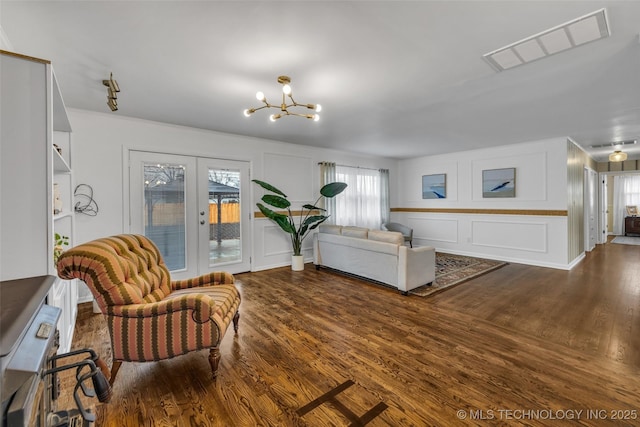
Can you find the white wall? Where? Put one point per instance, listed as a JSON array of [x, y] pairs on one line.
[[541, 184], [101, 141], [5, 43]]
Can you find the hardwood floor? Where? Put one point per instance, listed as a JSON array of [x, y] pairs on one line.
[[518, 346]]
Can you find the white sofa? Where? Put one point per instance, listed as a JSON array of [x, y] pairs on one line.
[[374, 254]]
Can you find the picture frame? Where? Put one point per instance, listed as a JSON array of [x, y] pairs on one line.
[[632, 210], [499, 183], [434, 186]]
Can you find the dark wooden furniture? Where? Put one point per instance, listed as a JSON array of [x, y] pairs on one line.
[[632, 225]]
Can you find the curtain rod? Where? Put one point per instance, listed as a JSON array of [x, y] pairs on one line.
[[355, 167]]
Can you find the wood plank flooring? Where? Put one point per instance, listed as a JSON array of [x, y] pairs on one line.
[[521, 345]]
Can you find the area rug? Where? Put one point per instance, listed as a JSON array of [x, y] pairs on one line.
[[451, 270], [626, 240]]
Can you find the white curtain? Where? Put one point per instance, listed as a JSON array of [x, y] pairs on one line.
[[626, 193], [327, 176], [360, 203], [385, 206]]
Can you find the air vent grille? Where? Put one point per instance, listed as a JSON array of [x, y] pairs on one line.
[[574, 33]]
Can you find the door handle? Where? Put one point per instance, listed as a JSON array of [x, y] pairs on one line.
[[202, 222], [202, 213]]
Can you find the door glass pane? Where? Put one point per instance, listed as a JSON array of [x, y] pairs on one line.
[[224, 216], [164, 211]]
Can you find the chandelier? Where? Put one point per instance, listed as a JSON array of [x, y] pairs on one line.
[[284, 107]]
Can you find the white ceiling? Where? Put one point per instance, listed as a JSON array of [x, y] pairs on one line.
[[395, 78]]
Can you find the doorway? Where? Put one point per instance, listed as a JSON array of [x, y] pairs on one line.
[[590, 209], [192, 209]]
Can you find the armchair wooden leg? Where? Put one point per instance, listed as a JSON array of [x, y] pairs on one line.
[[236, 317], [214, 360], [115, 367]]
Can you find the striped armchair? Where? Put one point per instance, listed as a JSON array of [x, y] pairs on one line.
[[149, 316]]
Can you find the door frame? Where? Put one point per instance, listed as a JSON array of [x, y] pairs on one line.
[[126, 185]]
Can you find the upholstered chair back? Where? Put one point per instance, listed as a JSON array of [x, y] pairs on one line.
[[119, 270]]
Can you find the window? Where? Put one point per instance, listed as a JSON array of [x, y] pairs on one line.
[[365, 201]]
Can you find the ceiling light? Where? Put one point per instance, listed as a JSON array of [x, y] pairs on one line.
[[284, 107], [617, 156], [112, 90], [576, 32]]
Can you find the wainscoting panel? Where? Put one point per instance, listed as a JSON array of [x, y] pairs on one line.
[[277, 243], [434, 229], [523, 236]]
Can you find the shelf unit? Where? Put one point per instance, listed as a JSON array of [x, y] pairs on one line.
[[33, 119]]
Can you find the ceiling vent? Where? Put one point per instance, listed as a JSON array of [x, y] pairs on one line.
[[571, 34]]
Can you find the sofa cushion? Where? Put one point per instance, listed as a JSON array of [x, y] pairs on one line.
[[386, 236], [359, 232], [330, 229]]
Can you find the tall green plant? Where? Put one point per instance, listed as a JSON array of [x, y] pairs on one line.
[[307, 220]]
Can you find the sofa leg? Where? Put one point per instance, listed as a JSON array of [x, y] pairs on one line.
[[317, 267], [405, 293], [236, 317], [430, 283], [214, 360]]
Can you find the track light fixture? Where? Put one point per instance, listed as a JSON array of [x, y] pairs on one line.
[[112, 90], [284, 107]]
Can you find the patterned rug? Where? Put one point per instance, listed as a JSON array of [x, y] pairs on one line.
[[452, 270]]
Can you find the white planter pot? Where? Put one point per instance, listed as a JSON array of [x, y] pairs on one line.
[[297, 262]]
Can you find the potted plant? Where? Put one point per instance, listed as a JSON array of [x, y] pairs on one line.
[[60, 242], [311, 216]]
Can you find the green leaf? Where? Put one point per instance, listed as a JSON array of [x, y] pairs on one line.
[[314, 226], [315, 218], [269, 187], [333, 189], [285, 224], [312, 208], [268, 212], [281, 220], [276, 201]]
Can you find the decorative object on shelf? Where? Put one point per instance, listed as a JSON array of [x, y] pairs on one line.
[[284, 107], [85, 204], [57, 201], [499, 183], [308, 220], [58, 248], [112, 90], [434, 186], [632, 210], [58, 149]]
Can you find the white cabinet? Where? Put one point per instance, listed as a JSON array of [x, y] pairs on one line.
[[32, 119]]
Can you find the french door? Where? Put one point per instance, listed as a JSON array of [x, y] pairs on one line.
[[193, 210]]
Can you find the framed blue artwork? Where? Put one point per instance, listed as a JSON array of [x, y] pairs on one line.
[[499, 183], [434, 186]]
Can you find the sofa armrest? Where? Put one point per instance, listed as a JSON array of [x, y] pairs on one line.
[[416, 267], [209, 279]]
